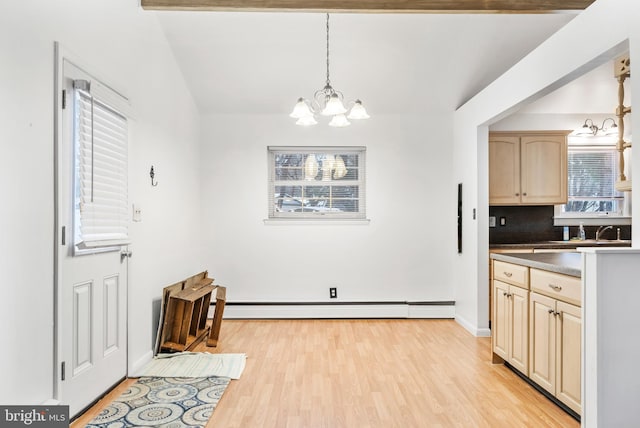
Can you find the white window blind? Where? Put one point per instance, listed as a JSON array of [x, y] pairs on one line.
[[592, 176], [317, 182], [101, 135]]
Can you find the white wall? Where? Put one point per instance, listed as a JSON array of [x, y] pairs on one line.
[[128, 48], [404, 254], [604, 30], [551, 121]]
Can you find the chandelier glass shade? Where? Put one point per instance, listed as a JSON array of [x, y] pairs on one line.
[[328, 102]]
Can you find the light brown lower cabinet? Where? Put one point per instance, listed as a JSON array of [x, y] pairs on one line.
[[555, 347], [536, 328], [511, 325]]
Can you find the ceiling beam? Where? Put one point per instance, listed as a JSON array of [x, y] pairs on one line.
[[387, 6]]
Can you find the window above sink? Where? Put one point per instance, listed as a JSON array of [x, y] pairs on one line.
[[592, 196]]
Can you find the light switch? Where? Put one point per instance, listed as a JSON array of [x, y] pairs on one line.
[[137, 213]]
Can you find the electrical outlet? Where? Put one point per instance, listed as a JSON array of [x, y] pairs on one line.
[[503, 221], [333, 293], [492, 221]]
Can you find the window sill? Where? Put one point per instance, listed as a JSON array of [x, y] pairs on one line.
[[592, 221], [315, 222]]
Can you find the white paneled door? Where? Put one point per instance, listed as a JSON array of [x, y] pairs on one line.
[[93, 337], [91, 285]]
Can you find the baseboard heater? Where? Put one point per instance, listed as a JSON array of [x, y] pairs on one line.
[[367, 309]]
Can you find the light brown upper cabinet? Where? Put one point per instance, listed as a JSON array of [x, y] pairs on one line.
[[528, 168]]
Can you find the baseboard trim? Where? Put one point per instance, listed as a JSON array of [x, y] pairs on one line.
[[483, 332], [303, 310], [478, 332], [139, 364]]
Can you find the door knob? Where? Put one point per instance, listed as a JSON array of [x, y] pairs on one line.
[[124, 254]]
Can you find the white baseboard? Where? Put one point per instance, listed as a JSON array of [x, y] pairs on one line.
[[139, 364], [478, 332], [483, 332], [355, 310]]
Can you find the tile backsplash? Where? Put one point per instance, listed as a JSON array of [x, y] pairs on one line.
[[523, 224]]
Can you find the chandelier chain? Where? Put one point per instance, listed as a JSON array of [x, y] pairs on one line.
[[328, 81]]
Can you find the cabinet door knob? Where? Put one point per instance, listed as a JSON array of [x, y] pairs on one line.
[[504, 293], [524, 194], [550, 311], [517, 194]]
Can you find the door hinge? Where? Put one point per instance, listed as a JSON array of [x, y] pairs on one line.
[[62, 371], [64, 99], [64, 235]]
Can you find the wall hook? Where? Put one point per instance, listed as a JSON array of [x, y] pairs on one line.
[[152, 174]]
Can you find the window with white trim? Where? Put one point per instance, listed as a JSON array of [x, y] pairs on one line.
[[100, 172], [592, 170], [317, 183]]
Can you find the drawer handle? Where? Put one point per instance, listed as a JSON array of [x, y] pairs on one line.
[[507, 274], [555, 287]]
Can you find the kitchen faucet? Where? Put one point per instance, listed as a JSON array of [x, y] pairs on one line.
[[600, 230]]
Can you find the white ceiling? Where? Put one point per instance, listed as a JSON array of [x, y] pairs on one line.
[[246, 63]]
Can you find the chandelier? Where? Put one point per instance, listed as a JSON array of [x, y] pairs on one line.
[[591, 129], [327, 102]]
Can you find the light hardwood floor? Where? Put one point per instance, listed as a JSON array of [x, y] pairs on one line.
[[368, 373]]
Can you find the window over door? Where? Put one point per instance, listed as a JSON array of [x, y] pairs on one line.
[[317, 182]]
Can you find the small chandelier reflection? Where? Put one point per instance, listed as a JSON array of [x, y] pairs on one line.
[[332, 167], [328, 102], [589, 129]]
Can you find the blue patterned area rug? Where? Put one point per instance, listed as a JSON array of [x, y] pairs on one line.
[[167, 402]]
